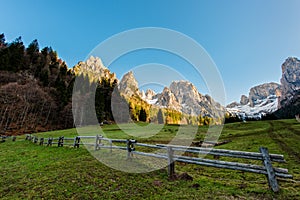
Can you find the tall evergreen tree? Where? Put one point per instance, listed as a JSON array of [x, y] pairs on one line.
[[2, 40], [33, 47], [160, 117], [143, 115], [16, 55]]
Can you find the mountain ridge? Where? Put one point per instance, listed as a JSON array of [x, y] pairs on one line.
[[275, 99], [181, 96]]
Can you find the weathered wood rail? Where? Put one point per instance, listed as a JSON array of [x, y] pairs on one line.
[[3, 138], [170, 155]]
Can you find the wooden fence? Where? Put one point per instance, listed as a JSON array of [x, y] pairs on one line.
[[3, 138], [170, 155]]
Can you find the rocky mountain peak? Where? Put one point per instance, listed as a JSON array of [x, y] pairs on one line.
[[168, 100], [290, 80], [244, 100], [183, 96], [184, 90], [149, 94], [283, 99], [233, 105], [128, 85], [261, 92], [94, 68], [262, 100], [95, 63]]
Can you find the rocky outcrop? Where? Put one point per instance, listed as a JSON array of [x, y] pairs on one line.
[[94, 69], [233, 104], [244, 100], [150, 94], [128, 85], [168, 100], [262, 100], [185, 91], [261, 92], [290, 81], [291, 109], [183, 96], [281, 100]]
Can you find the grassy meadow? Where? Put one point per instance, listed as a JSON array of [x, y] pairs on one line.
[[30, 171]]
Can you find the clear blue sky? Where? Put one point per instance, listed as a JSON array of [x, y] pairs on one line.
[[248, 40]]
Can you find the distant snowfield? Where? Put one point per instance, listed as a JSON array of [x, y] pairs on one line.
[[261, 108]]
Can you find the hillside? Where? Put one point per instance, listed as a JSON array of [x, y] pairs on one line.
[[28, 172], [35, 88]]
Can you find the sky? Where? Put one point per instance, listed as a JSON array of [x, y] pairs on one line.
[[247, 40]]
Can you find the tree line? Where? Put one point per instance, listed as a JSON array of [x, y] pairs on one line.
[[35, 88]]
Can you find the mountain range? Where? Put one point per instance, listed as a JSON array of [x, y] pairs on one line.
[[263, 100], [181, 96], [36, 94], [280, 100]]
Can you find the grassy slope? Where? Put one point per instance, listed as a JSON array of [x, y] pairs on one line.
[[31, 171]]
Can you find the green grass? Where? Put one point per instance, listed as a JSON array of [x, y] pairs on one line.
[[30, 171]]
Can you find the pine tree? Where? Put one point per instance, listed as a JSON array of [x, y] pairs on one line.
[[143, 115], [160, 117], [2, 40]]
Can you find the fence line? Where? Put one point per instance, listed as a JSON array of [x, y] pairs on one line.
[[170, 155], [3, 138]]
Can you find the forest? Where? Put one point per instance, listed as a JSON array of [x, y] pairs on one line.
[[36, 89]]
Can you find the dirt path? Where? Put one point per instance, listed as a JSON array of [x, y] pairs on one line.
[[279, 139], [243, 135], [287, 126]]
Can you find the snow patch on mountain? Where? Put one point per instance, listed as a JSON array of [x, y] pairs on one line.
[[262, 100], [261, 108], [151, 101]]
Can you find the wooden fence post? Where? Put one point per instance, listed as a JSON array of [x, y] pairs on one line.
[[76, 142], [35, 139], [97, 142], [49, 142], [130, 147], [60, 142], [41, 141], [171, 163], [270, 171]]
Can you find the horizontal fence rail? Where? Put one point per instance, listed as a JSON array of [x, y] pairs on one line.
[[3, 138], [169, 154], [225, 152]]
